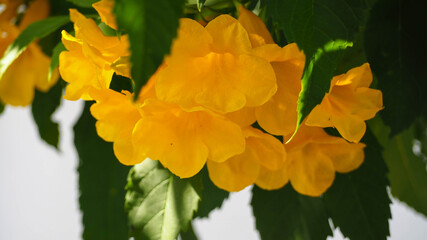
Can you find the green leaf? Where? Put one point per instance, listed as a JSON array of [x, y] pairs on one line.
[[1, 107], [407, 171], [322, 29], [212, 196], [395, 48], [54, 62], [189, 234], [200, 4], [358, 202], [102, 180], [43, 106], [285, 214], [159, 204], [34, 31], [83, 3], [151, 27]]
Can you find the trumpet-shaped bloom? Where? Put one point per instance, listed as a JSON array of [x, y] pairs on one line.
[[87, 63], [30, 69], [313, 158], [214, 67], [240, 171], [184, 140], [348, 104], [279, 115], [258, 32], [117, 115]]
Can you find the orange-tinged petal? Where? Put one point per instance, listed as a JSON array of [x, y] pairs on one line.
[[355, 77], [229, 82], [236, 173], [228, 35], [37, 10], [82, 75], [182, 140], [348, 104], [114, 111], [124, 149], [87, 31], [351, 127], [243, 117], [254, 25], [369, 101], [269, 150], [10, 10], [28, 71], [272, 180], [311, 172], [345, 157], [193, 41], [314, 156], [279, 115], [274, 53], [105, 11]]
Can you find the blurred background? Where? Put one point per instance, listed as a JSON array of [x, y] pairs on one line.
[[39, 189]]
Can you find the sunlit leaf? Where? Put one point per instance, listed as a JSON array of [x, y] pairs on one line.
[[34, 31], [159, 204], [322, 29]]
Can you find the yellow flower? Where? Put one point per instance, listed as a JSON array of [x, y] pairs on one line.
[[262, 151], [87, 63], [30, 69], [183, 140], [214, 67], [117, 115], [313, 158], [348, 104], [105, 9], [279, 115]]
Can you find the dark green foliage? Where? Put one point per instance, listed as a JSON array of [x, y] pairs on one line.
[[212, 196], [43, 107], [408, 174], [396, 49], [358, 202], [1, 107], [102, 180], [83, 3], [285, 214], [159, 204], [322, 29], [151, 27]]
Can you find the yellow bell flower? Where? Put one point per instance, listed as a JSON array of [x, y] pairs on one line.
[[348, 104], [215, 67], [30, 69], [184, 139], [262, 151], [312, 160], [87, 63], [278, 115]]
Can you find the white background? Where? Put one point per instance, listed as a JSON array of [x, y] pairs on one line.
[[39, 191]]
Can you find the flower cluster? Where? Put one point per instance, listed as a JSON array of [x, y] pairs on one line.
[[223, 97], [30, 69]]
